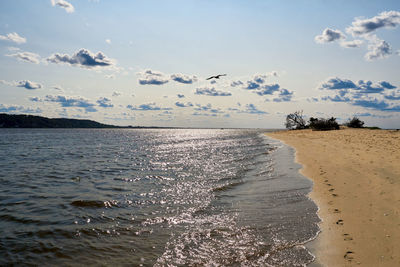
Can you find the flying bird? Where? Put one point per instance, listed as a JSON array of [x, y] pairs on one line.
[[216, 76]]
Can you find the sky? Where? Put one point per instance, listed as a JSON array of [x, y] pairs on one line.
[[146, 63]]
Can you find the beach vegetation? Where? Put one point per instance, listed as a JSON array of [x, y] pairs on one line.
[[355, 123], [296, 121], [321, 124]]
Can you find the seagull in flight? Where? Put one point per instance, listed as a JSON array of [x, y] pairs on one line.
[[216, 76]]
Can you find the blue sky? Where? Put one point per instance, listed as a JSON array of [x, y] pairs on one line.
[[146, 62]]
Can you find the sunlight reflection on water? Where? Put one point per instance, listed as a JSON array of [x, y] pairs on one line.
[[180, 197]]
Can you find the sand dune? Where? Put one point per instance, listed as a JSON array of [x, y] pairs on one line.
[[356, 174]]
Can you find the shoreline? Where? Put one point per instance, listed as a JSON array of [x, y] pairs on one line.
[[310, 243], [284, 156], [357, 190]]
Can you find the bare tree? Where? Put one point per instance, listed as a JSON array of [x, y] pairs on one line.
[[295, 121]]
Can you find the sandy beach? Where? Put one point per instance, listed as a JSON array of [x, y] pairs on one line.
[[356, 175]]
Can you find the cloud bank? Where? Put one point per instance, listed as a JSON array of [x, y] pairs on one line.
[[18, 109], [68, 101], [258, 85], [381, 96]]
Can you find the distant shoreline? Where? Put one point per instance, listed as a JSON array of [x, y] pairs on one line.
[[31, 121], [23, 121], [356, 179]]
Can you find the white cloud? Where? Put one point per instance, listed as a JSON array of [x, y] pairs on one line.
[[249, 109], [104, 102], [150, 77], [13, 37], [378, 49], [236, 83], [182, 78], [27, 57], [380, 95], [211, 92], [29, 85], [386, 19], [283, 96], [69, 8], [329, 35], [207, 110], [147, 107], [18, 109], [183, 105], [84, 59], [351, 44], [25, 84], [258, 85], [68, 101]]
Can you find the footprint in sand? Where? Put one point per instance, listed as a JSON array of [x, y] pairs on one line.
[[336, 211], [330, 190], [334, 195], [339, 222], [349, 255], [347, 237]]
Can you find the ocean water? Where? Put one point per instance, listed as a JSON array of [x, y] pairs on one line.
[[164, 197]]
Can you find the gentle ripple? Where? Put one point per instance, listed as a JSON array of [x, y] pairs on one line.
[[151, 197]]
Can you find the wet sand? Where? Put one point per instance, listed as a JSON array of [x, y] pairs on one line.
[[356, 175]]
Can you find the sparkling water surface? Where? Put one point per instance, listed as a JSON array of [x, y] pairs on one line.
[[164, 197]]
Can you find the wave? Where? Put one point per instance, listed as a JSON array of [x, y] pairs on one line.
[[94, 203], [227, 187]]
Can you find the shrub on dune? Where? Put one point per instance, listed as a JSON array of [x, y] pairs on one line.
[[355, 123], [323, 124]]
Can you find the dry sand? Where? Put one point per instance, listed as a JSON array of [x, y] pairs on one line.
[[356, 175]]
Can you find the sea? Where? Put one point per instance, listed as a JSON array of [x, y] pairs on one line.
[[152, 197]]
